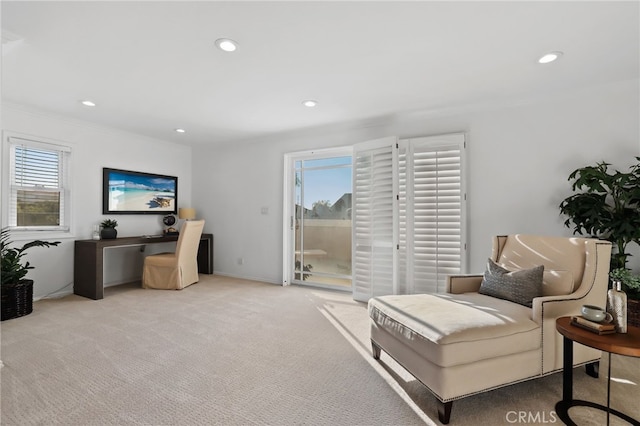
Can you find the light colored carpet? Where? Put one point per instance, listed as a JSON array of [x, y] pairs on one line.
[[235, 352]]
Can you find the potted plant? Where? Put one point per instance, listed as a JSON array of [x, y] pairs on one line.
[[608, 207], [17, 291], [306, 268], [108, 231]]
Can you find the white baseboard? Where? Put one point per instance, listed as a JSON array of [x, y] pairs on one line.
[[53, 295], [244, 277], [123, 281]]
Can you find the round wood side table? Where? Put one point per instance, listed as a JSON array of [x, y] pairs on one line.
[[622, 344]]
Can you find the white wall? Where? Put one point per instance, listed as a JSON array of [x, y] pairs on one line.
[[519, 159], [96, 147]]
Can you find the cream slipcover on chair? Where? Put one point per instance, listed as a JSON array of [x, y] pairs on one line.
[[461, 342], [175, 270]]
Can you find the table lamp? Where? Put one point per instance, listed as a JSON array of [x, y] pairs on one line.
[[187, 213]]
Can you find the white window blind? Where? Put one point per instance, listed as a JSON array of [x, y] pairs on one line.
[[39, 193], [409, 215], [374, 216]]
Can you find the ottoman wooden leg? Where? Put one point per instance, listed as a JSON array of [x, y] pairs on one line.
[[444, 411], [375, 349], [593, 369]]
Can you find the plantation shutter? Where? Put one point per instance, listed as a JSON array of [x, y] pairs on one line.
[[432, 212], [38, 192], [374, 215], [409, 215]]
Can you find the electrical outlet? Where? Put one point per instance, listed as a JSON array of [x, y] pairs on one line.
[[264, 210], [241, 261]]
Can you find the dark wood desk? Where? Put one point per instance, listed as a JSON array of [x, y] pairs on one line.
[[89, 258], [622, 344]]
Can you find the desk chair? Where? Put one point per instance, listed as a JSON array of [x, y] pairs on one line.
[[175, 270]]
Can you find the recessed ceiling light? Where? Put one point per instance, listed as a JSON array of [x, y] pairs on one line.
[[88, 103], [310, 103], [180, 130], [549, 57], [226, 44]]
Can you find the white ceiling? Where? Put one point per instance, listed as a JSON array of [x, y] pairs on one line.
[[152, 66]]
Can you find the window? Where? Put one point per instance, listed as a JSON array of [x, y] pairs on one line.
[[38, 185]]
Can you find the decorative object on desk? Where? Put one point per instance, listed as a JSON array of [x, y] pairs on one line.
[[171, 231], [607, 208], [169, 221], [187, 213], [96, 232], [631, 286], [595, 327], [109, 231], [16, 291], [617, 306]]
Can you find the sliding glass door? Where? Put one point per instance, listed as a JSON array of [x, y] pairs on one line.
[[320, 219]]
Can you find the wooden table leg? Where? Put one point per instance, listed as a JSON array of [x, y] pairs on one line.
[[567, 370]]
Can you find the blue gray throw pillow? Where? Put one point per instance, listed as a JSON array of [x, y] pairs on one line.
[[516, 286]]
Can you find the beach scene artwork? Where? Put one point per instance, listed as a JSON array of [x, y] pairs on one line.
[[137, 192]]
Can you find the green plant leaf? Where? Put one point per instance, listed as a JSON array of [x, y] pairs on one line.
[[13, 269], [605, 205]]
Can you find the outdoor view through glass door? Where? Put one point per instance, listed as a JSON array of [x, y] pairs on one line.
[[322, 221]]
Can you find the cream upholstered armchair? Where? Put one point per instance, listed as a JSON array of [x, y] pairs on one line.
[[175, 270], [463, 342]]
